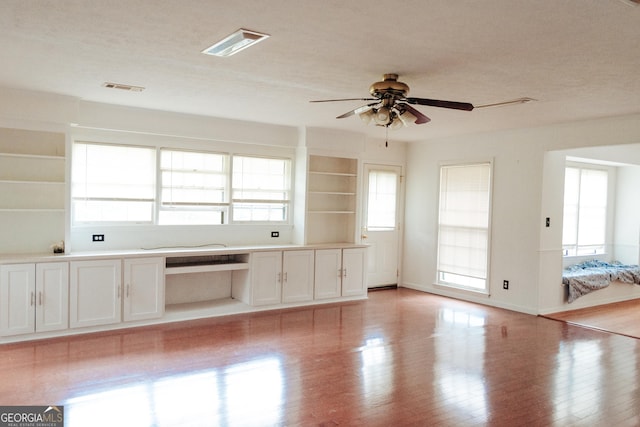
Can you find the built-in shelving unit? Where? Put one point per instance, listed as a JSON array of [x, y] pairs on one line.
[[32, 184], [332, 193], [200, 284], [206, 263]]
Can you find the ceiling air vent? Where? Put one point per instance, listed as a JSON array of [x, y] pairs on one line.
[[235, 42], [129, 88]]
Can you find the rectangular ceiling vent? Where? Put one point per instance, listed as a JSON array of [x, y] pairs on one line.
[[235, 42], [120, 86]]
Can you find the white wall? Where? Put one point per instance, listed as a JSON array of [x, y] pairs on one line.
[[119, 124], [527, 175]]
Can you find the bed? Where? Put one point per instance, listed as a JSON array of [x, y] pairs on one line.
[[593, 275]]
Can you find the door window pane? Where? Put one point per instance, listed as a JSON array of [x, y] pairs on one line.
[[381, 200]]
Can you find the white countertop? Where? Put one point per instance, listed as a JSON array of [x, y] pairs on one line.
[[165, 252]]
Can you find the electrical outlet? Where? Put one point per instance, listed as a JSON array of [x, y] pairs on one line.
[[275, 234], [505, 284], [97, 238], [547, 222]]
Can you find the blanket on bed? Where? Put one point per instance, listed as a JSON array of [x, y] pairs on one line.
[[592, 275]]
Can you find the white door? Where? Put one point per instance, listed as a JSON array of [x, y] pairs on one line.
[[328, 273], [266, 282], [52, 295], [297, 280], [95, 289], [353, 272], [17, 299], [143, 288], [381, 223]]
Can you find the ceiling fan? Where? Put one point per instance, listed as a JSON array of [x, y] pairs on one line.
[[392, 108]]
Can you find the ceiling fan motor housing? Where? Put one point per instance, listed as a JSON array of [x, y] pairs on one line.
[[389, 87]]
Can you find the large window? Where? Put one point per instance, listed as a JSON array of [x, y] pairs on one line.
[[113, 184], [261, 188], [585, 210], [195, 187], [463, 225], [117, 184]]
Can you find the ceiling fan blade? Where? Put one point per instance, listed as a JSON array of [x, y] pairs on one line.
[[358, 110], [346, 99], [439, 103], [420, 118]]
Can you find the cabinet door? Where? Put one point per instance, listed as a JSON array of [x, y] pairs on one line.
[[266, 278], [95, 292], [328, 272], [143, 288], [297, 276], [17, 299], [353, 272], [52, 296]]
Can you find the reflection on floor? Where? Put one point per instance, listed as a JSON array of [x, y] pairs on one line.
[[400, 358]]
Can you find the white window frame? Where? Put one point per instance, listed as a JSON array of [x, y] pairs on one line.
[[456, 278], [285, 201], [77, 199], [577, 250], [195, 207]]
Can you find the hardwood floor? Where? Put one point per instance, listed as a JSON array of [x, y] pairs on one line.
[[619, 318], [401, 358]]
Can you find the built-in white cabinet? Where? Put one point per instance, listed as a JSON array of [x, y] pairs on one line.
[[46, 296], [328, 273], [297, 276], [281, 277], [95, 292], [143, 288], [340, 273], [17, 299], [266, 276], [354, 272], [52, 296], [33, 298]]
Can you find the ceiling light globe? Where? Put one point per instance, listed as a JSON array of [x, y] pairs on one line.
[[382, 116]]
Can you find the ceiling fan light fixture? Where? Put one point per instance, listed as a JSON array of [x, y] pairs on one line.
[[382, 116], [396, 124], [407, 118], [366, 116], [235, 42]]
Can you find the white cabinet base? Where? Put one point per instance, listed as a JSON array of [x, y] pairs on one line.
[[95, 291]]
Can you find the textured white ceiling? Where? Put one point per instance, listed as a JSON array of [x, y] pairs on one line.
[[578, 58]]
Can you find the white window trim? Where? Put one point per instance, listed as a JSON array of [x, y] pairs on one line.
[[487, 289], [611, 183]]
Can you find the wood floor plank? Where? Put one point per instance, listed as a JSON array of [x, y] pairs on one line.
[[400, 358], [620, 318]]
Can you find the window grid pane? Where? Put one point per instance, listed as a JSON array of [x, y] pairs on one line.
[[585, 211], [102, 193], [381, 200], [261, 189], [194, 187]]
